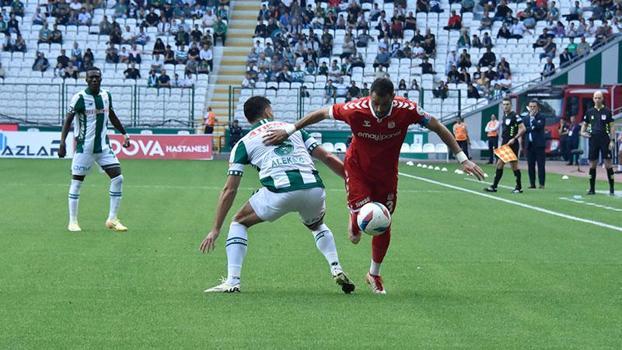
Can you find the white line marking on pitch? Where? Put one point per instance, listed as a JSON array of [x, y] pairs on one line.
[[198, 187], [589, 203], [523, 205], [502, 186]]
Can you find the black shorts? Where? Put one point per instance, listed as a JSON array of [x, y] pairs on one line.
[[209, 129], [599, 145], [513, 146]]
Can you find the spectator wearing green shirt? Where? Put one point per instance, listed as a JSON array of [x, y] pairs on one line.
[[220, 30], [17, 7], [572, 48], [44, 35], [3, 25]]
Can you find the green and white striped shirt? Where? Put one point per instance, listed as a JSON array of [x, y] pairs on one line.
[[282, 168], [91, 113]]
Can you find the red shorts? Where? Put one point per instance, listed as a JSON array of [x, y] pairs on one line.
[[361, 190]]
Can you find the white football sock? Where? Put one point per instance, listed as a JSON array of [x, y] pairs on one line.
[[619, 167], [116, 189], [74, 198], [374, 268], [236, 251], [325, 243]]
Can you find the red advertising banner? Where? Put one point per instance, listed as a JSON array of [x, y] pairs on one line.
[[8, 127], [163, 147]]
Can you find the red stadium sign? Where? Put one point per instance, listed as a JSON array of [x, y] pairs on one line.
[[163, 147]]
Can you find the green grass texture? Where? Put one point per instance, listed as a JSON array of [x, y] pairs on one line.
[[464, 270]]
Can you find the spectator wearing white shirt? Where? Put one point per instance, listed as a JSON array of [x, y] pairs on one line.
[[128, 35], [75, 6], [452, 60], [418, 51], [156, 63], [208, 19], [206, 54], [124, 56], [84, 18], [163, 27], [518, 29], [39, 17], [135, 54], [187, 81]]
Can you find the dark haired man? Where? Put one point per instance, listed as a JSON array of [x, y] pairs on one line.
[[290, 184], [513, 130], [379, 125], [535, 144]]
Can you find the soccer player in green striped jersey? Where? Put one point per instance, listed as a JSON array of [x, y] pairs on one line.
[[91, 108], [290, 184]]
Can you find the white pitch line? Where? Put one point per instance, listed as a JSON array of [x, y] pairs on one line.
[[519, 204], [215, 188], [590, 204], [502, 186]]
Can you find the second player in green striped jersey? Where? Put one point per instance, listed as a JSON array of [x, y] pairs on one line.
[[290, 184]]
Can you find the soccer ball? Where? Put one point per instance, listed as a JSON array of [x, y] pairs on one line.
[[373, 218]]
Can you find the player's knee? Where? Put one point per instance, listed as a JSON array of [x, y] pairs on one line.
[[318, 227]]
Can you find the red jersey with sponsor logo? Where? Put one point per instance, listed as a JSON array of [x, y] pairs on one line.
[[376, 143]]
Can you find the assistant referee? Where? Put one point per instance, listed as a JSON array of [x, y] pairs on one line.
[[598, 127]]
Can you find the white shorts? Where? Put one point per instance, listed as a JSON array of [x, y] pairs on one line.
[[309, 203], [82, 162]]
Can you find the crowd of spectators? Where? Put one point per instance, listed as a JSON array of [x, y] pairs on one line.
[[193, 46], [289, 49]]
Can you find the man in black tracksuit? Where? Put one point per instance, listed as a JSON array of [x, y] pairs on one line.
[[513, 129], [598, 127]]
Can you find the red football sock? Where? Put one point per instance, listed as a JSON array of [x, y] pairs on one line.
[[380, 245]]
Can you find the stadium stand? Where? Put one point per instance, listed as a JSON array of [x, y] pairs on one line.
[[448, 55], [61, 40]]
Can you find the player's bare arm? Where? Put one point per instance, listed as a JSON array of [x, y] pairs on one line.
[[445, 135], [335, 164], [119, 126], [62, 148], [225, 201], [275, 137]]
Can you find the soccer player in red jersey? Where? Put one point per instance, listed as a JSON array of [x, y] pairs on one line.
[[379, 125]]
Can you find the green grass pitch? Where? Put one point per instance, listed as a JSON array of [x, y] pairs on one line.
[[463, 271]]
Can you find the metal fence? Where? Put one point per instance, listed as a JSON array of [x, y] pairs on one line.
[[136, 105]]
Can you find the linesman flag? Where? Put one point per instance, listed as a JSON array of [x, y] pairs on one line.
[[506, 154]]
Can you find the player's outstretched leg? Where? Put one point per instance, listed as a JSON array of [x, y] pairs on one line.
[[325, 243], [236, 247], [74, 198], [116, 192], [379, 247]]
